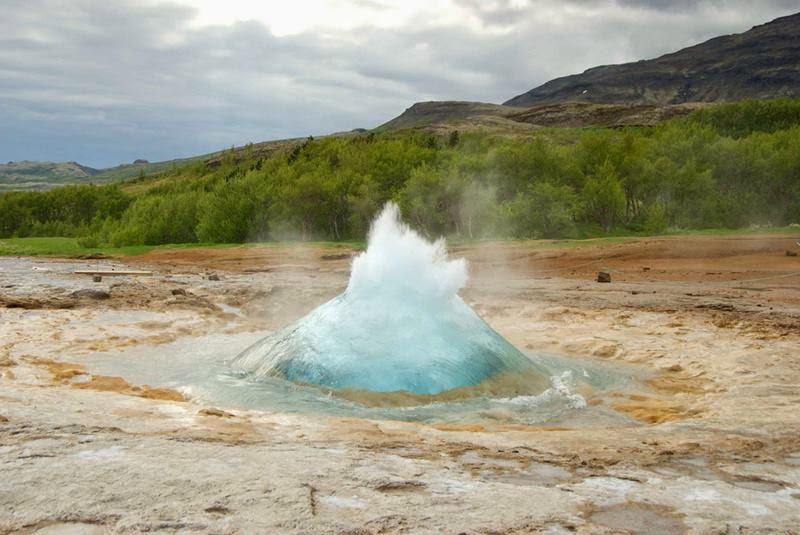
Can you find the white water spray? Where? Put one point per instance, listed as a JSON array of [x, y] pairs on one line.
[[399, 326]]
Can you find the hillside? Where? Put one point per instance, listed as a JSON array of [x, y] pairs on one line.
[[763, 62], [448, 115], [27, 175], [444, 116], [728, 165], [32, 176]]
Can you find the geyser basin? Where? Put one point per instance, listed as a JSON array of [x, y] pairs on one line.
[[200, 368], [399, 326], [398, 344]]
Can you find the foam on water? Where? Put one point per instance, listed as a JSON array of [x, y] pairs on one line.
[[399, 326]]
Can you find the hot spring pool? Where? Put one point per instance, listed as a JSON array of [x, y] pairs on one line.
[[200, 368], [398, 343]]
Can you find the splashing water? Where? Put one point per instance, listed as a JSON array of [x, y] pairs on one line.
[[399, 326]]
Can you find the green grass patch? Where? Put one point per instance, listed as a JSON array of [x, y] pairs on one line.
[[69, 247], [61, 247]]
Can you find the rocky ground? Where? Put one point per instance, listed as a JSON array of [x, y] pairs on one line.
[[717, 448]]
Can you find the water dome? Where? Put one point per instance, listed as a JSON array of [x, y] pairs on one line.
[[399, 326]]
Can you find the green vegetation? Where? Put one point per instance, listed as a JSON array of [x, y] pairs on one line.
[[728, 166], [127, 171], [72, 247], [58, 246]]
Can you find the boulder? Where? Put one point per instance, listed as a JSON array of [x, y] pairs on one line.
[[603, 276], [90, 294]]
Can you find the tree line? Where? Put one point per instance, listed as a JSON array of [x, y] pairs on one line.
[[726, 166]]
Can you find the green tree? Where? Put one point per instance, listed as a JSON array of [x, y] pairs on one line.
[[603, 197], [544, 211]]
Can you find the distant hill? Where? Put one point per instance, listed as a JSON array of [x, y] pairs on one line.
[[28, 176], [763, 62], [42, 175]]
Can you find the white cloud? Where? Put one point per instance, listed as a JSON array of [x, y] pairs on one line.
[[298, 16]]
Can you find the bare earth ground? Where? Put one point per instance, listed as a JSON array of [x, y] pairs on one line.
[[717, 451]]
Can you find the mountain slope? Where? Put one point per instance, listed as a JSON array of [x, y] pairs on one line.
[[42, 175], [444, 116], [763, 62]]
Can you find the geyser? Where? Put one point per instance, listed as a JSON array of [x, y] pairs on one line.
[[399, 326]]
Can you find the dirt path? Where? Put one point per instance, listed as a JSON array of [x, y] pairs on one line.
[[717, 448]]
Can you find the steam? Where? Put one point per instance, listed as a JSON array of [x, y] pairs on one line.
[[398, 260]]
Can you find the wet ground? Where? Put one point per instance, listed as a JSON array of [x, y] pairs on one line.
[[709, 444]]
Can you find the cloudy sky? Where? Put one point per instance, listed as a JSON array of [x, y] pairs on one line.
[[105, 82]]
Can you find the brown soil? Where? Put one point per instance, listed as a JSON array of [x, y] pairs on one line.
[[753, 261], [64, 373]]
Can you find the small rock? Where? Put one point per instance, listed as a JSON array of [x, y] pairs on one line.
[[178, 291], [399, 486], [97, 278], [212, 411], [603, 276], [674, 368], [791, 253], [213, 277], [645, 268], [90, 294]]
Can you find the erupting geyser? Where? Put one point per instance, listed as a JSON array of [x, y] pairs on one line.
[[399, 326]]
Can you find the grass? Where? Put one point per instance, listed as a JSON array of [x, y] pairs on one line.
[[69, 247], [60, 247], [736, 232]]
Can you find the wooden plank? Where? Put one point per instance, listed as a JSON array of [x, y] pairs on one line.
[[109, 273]]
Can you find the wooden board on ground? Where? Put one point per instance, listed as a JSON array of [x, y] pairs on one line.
[[107, 272]]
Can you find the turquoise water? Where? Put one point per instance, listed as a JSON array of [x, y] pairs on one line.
[[200, 368], [412, 344], [399, 326]]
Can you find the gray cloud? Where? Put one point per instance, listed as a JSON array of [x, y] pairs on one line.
[[107, 82], [503, 13]]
